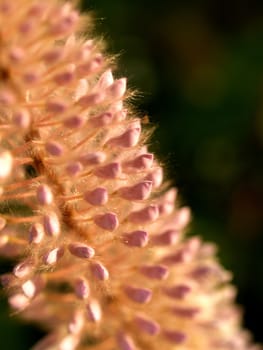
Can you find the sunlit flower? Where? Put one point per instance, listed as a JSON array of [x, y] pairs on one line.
[[103, 260]]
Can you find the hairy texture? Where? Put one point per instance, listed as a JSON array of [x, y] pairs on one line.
[[103, 262]]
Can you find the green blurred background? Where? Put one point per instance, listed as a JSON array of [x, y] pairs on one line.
[[198, 66]]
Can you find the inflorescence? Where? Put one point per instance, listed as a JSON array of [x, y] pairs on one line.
[[102, 258]]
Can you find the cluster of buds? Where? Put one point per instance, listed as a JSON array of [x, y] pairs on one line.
[[102, 261]]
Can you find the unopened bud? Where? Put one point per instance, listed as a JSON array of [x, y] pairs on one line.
[[81, 250]]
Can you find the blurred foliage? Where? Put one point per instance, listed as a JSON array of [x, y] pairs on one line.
[[198, 66]]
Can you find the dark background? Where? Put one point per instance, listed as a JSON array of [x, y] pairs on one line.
[[198, 67]]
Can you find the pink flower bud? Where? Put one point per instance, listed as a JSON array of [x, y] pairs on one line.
[[99, 271], [2, 223], [156, 177], [93, 311], [105, 80], [26, 27], [99, 196], [36, 233], [136, 239], [146, 325], [52, 56], [175, 337], [125, 342], [182, 218], [168, 237], [44, 195], [93, 158], [109, 171], [6, 164], [29, 289], [7, 97], [23, 269], [146, 215], [74, 122], [91, 66], [3, 240], [81, 250], [101, 120], [138, 295], [65, 24], [56, 106], [66, 77], [139, 191], [30, 77], [7, 280], [68, 343], [74, 168], [159, 272], [142, 162], [92, 99], [128, 139], [52, 256], [37, 10], [178, 291], [108, 221], [76, 323], [185, 312], [21, 118], [16, 54], [81, 288], [51, 224], [117, 89], [18, 301], [54, 148]]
